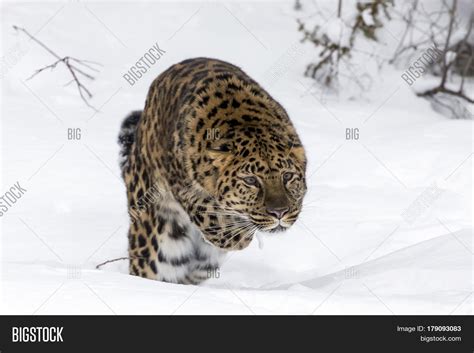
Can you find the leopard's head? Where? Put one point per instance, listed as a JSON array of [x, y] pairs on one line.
[[258, 172]]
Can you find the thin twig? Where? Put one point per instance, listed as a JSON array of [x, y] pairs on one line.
[[69, 62], [443, 89], [117, 259]]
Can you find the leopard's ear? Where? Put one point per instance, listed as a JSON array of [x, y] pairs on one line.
[[298, 151]]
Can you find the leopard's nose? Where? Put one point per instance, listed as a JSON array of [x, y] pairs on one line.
[[277, 212]]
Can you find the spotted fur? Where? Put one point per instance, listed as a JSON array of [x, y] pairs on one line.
[[211, 160]]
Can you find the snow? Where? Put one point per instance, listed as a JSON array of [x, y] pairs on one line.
[[337, 32], [449, 57], [367, 17], [370, 240]]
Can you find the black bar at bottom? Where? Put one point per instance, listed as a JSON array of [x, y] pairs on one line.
[[217, 333]]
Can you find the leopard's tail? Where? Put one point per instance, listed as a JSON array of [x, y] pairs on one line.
[[127, 136]]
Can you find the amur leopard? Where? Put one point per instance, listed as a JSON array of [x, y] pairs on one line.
[[211, 160]]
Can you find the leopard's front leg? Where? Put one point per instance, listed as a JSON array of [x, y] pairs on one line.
[[162, 246], [142, 235], [142, 252]]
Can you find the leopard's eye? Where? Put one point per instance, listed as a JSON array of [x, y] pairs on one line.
[[251, 180], [287, 176]]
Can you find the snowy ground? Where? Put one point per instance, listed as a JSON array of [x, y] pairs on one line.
[[387, 226]]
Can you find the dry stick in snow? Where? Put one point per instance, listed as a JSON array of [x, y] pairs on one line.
[[117, 259], [72, 66]]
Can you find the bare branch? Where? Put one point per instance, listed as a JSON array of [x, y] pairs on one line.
[[440, 25], [71, 65], [452, 15], [443, 89], [115, 260]]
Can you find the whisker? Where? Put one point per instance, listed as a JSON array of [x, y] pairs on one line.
[[226, 227], [228, 214], [247, 230]]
